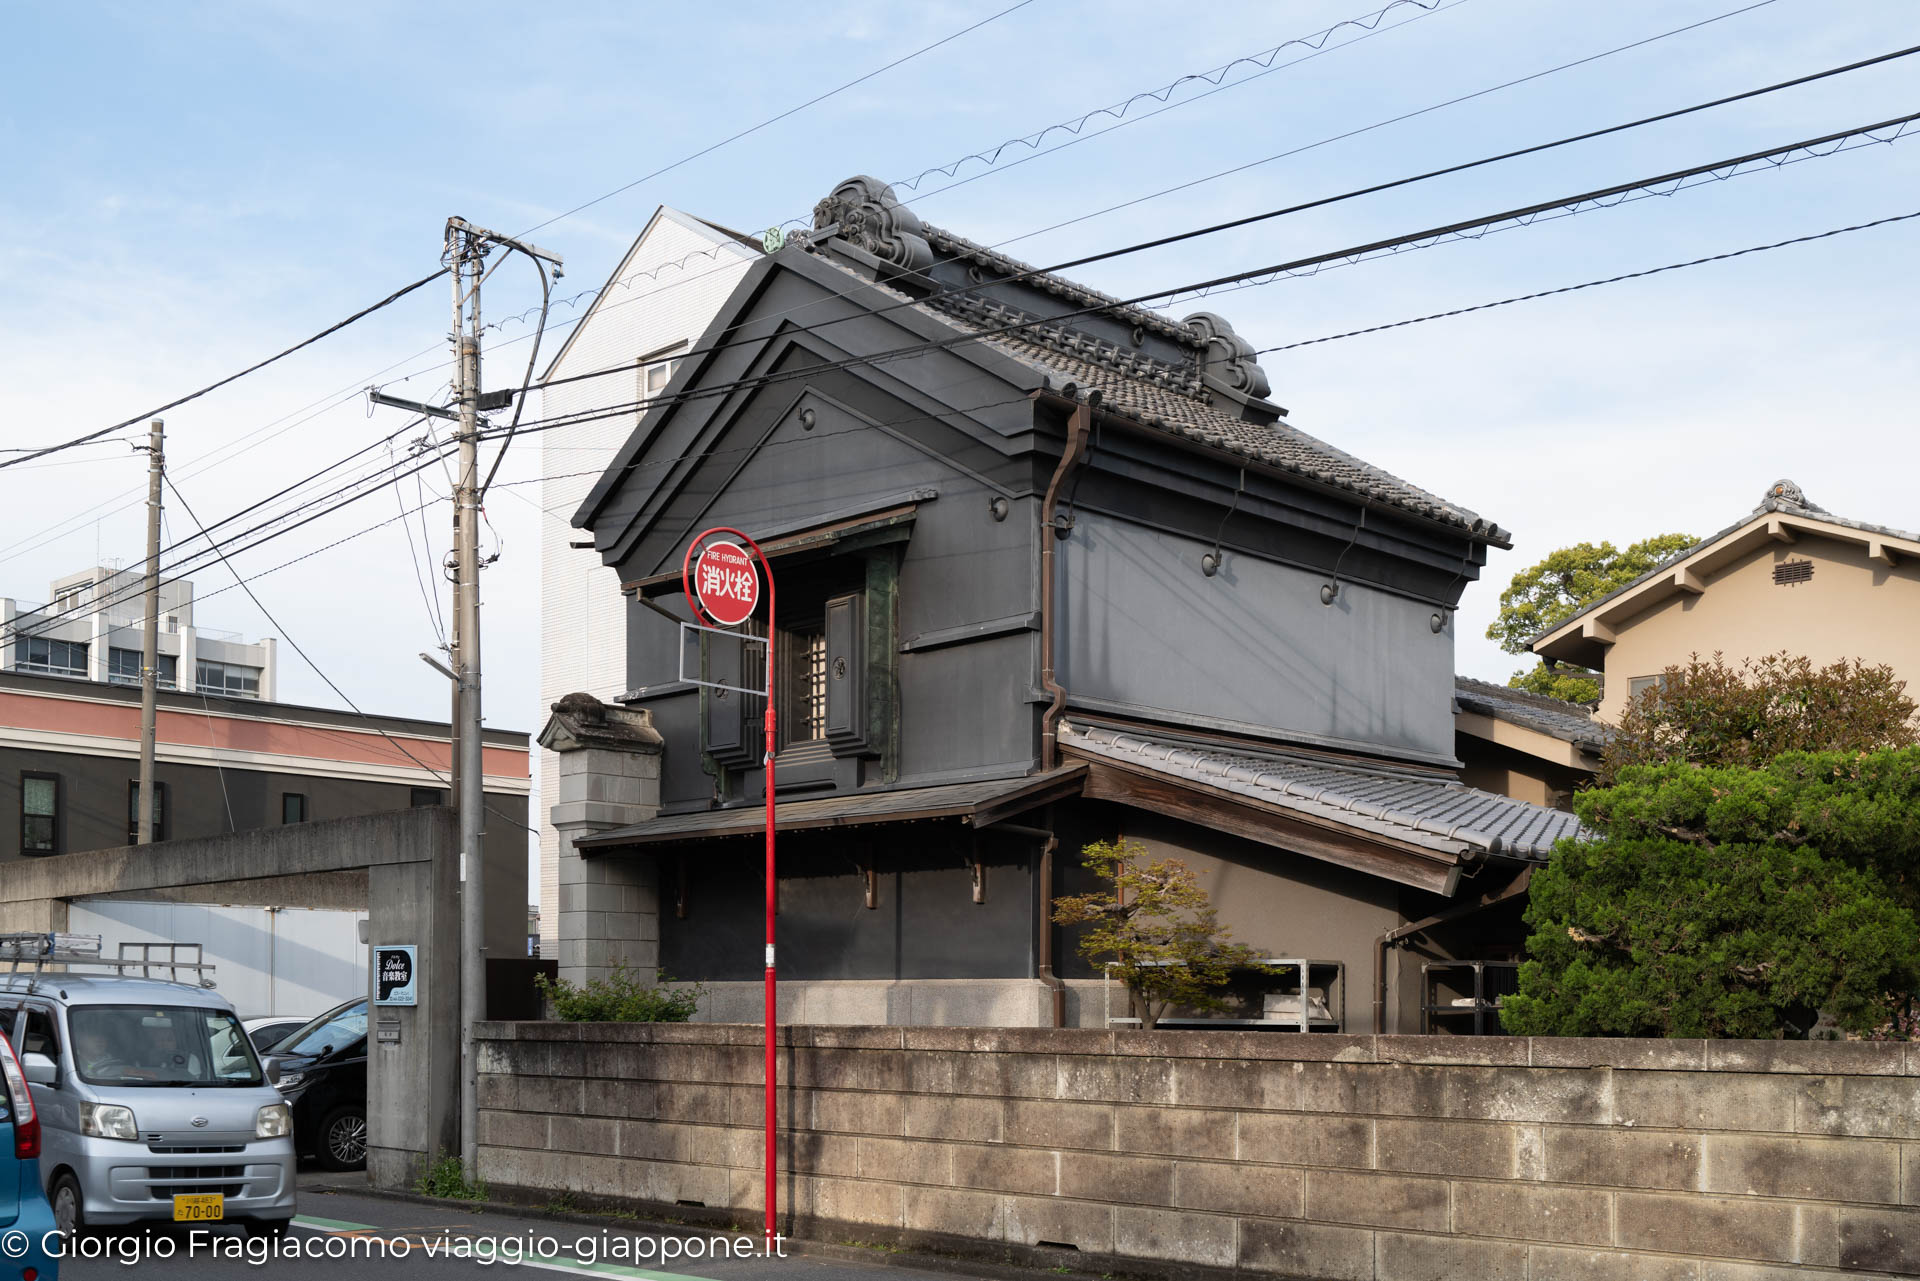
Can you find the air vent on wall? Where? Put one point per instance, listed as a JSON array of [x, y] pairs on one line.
[[1788, 572]]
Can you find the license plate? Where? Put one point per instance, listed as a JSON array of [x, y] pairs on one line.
[[199, 1208]]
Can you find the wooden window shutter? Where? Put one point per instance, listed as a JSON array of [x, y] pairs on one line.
[[846, 628], [732, 718]]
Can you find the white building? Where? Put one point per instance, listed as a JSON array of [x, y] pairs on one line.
[[93, 627], [652, 310]]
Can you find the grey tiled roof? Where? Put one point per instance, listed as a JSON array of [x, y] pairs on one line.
[[953, 246], [1157, 400], [1430, 810], [1568, 722]]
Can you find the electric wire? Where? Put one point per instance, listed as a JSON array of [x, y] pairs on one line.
[[1591, 284], [1421, 239], [771, 120], [335, 328], [1151, 196], [28, 624], [520, 401], [1304, 206], [246, 586], [1349, 254], [201, 463], [1451, 102], [206, 708], [1317, 41]]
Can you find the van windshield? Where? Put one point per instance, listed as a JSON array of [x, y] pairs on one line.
[[159, 1045]]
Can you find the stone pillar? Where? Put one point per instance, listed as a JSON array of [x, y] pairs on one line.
[[609, 777]]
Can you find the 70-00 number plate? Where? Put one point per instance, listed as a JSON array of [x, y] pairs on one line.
[[199, 1208]]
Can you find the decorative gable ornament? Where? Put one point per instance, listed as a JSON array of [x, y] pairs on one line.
[[865, 213], [1785, 491], [1226, 357]]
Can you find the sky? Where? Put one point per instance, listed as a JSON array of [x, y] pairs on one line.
[[192, 187]]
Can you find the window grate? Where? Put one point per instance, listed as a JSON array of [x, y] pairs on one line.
[[1789, 572], [811, 671]]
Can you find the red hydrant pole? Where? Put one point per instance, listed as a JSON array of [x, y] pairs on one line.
[[770, 1068], [772, 1103]]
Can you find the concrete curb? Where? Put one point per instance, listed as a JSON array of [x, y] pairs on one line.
[[1103, 1266]]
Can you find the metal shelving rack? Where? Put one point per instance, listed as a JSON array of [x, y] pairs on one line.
[[1491, 981], [1305, 976]]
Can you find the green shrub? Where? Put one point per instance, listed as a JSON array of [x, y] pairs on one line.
[[1728, 902], [446, 1178], [620, 997]]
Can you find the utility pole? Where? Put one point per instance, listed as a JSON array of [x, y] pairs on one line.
[[150, 640], [466, 252], [467, 256]]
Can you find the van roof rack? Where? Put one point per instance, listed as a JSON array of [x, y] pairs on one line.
[[80, 953]]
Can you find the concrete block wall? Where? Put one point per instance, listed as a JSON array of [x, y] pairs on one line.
[[1333, 1157]]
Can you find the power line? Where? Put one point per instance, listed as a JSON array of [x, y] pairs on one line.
[[990, 156], [1591, 284], [713, 251], [1304, 206], [1776, 157], [1155, 195], [859, 80], [193, 561], [1451, 102], [323, 405], [282, 632], [391, 298]]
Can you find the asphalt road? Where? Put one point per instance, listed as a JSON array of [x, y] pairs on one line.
[[342, 1233]]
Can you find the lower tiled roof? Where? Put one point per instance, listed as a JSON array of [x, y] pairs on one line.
[[1568, 722], [1430, 810]]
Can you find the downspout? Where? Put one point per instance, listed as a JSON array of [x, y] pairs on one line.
[[1043, 950], [1380, 945], [1071, 456], [1075, 452]]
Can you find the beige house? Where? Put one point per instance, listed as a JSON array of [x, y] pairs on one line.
[[1789, 576]]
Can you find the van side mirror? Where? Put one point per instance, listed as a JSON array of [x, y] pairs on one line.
[[40, 1069], [273, 1065]]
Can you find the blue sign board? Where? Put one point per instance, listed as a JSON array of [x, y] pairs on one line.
[[395, 970]]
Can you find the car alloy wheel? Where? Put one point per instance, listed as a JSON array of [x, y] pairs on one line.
[[347, 1139]]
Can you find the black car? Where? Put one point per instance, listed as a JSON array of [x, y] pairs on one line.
[[323, 1076]]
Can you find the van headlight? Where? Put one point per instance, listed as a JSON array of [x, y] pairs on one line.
[[108, 1121], [291, 1081], [273, 1121]]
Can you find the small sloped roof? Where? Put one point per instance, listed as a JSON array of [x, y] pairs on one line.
[[1568, 722], [1434, 811]]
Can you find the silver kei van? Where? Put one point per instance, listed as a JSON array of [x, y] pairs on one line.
[[152, 1102]]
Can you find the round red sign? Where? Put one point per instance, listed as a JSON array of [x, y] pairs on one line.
[[726, 584]]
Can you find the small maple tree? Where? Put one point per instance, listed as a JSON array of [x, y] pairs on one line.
[[1157, 929]]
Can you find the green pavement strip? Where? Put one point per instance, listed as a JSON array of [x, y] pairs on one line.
[[553, 1260]]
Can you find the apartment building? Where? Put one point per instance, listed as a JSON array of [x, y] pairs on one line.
[[93, 626]]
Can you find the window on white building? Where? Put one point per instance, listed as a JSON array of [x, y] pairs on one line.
[[227, 678], [60, 658], [123, 667]]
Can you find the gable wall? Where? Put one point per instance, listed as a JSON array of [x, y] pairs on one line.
[[582, 614], [1852, 608]]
